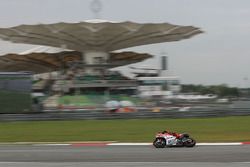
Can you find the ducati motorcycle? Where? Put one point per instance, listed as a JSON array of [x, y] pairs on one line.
[[173, 140]]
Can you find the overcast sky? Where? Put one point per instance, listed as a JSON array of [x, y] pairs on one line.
[[221, 55]]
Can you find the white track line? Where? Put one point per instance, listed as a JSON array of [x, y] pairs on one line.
[[129, 144], [218, 144], [198, 144], [55, 144], [133, 144]]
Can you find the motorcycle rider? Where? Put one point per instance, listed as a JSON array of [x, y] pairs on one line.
[[177, 135]]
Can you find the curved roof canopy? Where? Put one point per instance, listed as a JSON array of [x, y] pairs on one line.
[[97, 35], [41, 62]]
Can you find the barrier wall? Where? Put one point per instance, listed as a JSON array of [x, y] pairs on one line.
[[141, 113], [15, 92]]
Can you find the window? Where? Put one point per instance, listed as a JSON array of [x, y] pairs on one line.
[[99, 60]]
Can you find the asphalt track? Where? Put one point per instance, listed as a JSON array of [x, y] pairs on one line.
[[27, 155]]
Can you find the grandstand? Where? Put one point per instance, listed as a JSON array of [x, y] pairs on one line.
[[85, 53], [70, 84]]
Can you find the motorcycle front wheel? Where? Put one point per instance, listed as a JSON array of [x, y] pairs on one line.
[[159, 143], [189, 143]]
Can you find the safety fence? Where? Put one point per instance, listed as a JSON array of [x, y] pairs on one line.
[[139, 114]]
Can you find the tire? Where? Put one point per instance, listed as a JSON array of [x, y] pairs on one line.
[[159, 143], [190, 142]]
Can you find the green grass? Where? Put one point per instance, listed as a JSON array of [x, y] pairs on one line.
[[226, 129]]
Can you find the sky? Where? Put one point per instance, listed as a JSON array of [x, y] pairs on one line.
[[221, 55]]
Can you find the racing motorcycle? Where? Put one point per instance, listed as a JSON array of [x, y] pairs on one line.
[[169, 139]]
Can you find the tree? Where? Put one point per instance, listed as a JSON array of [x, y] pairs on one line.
[[220, 90]]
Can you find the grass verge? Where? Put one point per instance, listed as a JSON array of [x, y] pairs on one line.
[[225, 129]]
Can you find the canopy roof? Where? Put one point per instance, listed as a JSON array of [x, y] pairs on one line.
[[97, 35], [41, 62]]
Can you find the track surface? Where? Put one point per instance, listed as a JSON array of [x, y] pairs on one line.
[[124, 156]]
